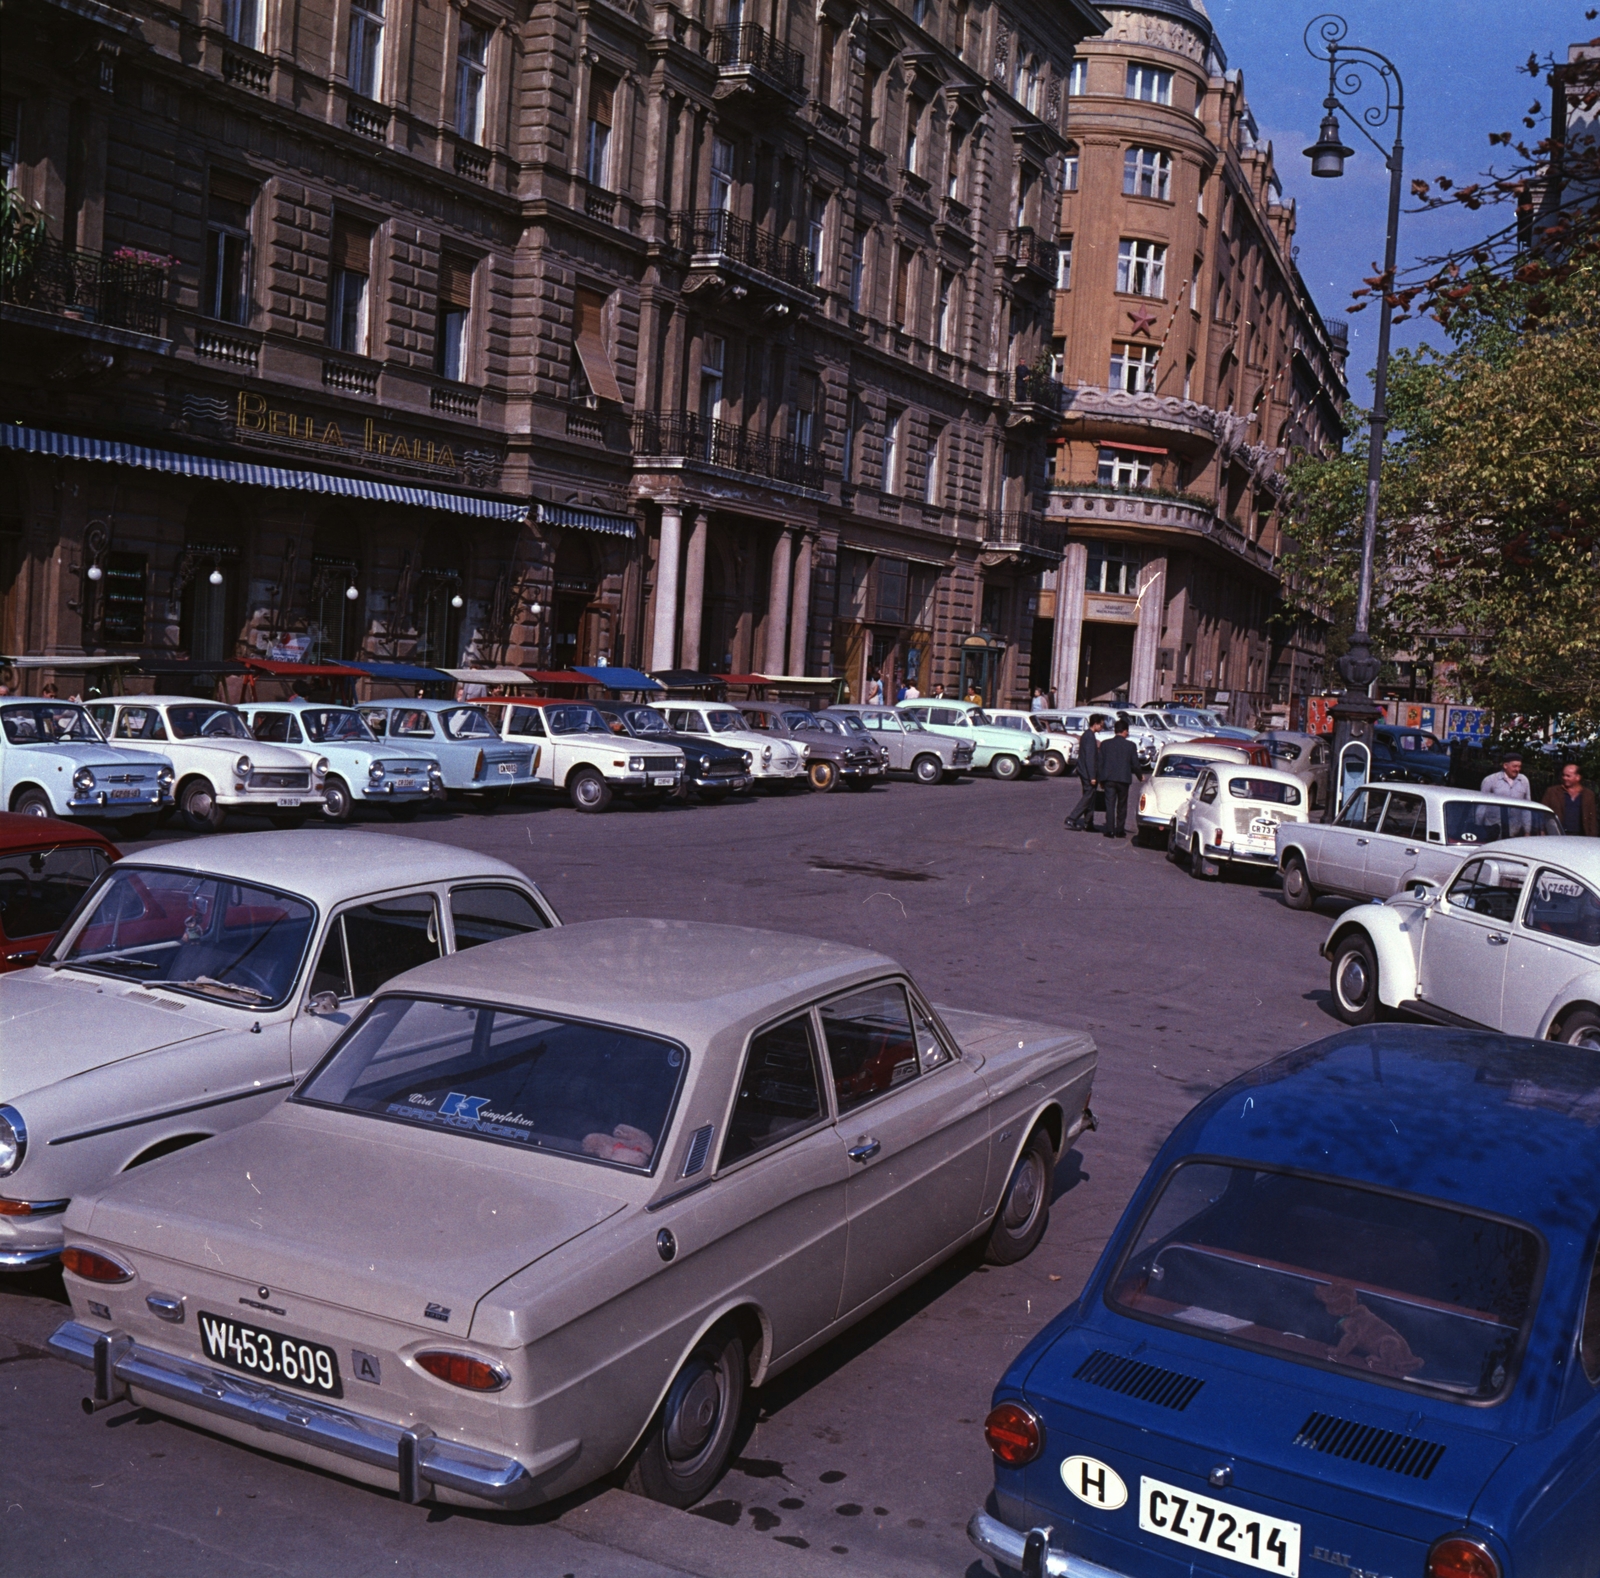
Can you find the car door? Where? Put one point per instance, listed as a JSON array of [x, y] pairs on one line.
[[1466, 938], [525, 725], [890, 733], [1555, 942], [1194, 819], [483, 912], [913, 1119], [1395, 845], [1342, 856]]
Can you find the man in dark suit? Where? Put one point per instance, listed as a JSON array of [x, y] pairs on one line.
[[1082, 816], [1117, 768]]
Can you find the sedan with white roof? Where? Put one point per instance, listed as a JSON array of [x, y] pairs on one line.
[[53, 762], [1233, 818], [198, 981], [473, 759]]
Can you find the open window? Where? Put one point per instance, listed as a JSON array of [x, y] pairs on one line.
[[589, 347]]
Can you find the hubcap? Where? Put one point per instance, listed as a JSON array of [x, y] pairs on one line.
[[1587, 1037], [588, 791], [1294, 881], [34, 808], [1353, 980], [200, 804], [694, 1414], [1023, 1198]]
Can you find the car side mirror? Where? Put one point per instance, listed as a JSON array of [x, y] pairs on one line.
[[323, 1003]]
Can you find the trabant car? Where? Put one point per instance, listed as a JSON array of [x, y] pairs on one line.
[[1349, 1323], [46, 867], [775, 762], [909, 747], [198, 981], [1004, 753], [53, 762], [1387, 839], [577, 753], [710, 770], [551, 1206], [219, 765], [473, 759], [361, 771], [1510, 941], [834, 753], [1177, 768], [1233, 817], [1308, 756]]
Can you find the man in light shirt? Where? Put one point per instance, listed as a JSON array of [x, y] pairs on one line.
[[1508, 783]]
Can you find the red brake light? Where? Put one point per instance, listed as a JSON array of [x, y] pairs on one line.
[[93, 1267], [459, 1369], [1015, 1435], [1459, 1557]]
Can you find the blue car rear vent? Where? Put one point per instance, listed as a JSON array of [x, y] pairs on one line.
[[1386, 1449], [1149, 1383]]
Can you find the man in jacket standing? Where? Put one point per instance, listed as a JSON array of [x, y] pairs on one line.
[[1082, 817], [1118, 766], [1573, 804]]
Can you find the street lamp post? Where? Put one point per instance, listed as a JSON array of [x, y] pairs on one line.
[[1349, 66]]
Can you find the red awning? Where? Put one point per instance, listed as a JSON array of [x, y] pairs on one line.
[[1138, 449], [565, 677], [303, 670]]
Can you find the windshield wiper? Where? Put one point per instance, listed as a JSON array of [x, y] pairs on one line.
[[208, 983]]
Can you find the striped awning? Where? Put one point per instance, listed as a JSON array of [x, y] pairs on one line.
[[583, 519], [70, 446]]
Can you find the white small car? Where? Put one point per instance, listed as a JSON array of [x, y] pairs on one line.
[[1308, 756], [219, 764], [462, 739], [1163, 793], [774, 761], [199, 981], [361, 771], [1510, 942], [1060, 746], [575, 751], [1233, 817], [53, 762]]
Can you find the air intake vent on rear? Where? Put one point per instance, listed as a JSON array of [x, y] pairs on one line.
[[1164, 1388], [699, 1149], [1387, 1449]]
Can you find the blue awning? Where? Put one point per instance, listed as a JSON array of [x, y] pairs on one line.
[[404, 673], [583, 519], [70, 446], [614, 677]]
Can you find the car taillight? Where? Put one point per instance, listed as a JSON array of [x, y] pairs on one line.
[[93, 1267], [1142, 799], [1458, 1557], [460, 1369], [1014, 1433], [478, 766]]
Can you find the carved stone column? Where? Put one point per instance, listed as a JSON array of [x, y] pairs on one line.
[[1147, 638], [778, 604], [694, 592], [800, 618], [664, 634], [1071, 582]]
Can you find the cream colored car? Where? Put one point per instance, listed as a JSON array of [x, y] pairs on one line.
[[1163, 793], [550, 1206], [1233, 817]]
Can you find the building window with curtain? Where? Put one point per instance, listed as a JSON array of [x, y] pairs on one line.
[[858, 270], [851, 447], [227, 279], [1133, 368], [817, 235], [1142, 268], [1147, 172], [1069, 169], [1149, 85], [931, 478], [348, 286], [1078, 79], [960, 27], [452, 343], [1123, 468], [597, 144], [827, 54], [241, 21], [902, 287], [869, 105], [364, 67], [803, 420], [713, 363], [893, 421], [721, 175], [947, 309], [472, 70]]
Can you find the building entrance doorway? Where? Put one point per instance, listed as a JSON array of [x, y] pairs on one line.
[[981, 657], [1107, 663], [573, 624]]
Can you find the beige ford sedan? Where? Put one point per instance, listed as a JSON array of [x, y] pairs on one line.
[[550, 1206]]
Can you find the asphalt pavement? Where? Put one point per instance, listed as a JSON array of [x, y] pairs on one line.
[[868, 1458]]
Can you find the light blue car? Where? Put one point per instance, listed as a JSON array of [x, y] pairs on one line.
[[472, 758], [362, 770], [54, 762]]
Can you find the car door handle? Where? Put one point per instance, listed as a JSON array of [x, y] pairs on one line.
[[1363, 841], [17, 958], [1498, 939], [1411, 849], [865, 1151]]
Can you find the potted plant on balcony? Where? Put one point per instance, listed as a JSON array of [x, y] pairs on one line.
[[22, 235]]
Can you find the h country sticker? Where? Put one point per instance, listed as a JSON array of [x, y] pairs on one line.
[[1094, 1482]]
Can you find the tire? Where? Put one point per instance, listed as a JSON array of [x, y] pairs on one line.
[[340, 802], [1006, 767], [588, 790], [689, 1441], [1199, 867], [406, 811], [1024, 1211], [927, 769], [822, 775], [1175, 851], [33, 802], [1353, 980], [197, 800], [1055, 764], [1580, 1028], [1298, 893]]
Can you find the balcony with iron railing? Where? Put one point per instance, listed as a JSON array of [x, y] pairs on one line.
[[715, 235], [1025, 531], [120, 289], [686, 436], [1031, 254], [749, 52], [1035, 396]]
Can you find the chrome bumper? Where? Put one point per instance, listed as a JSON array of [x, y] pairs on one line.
[[416, 1457], [28, 1259], [1006, 1544]]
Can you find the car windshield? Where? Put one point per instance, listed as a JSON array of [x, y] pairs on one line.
[[46, 723], [468, 723], [724, 720], [1328, 1273], [1179, 767], [645, 720], [522, 1079], [1265, 790], [207, 722], [1487, 822], [330, 726], [225, 940], [575, 720], [850, 722]]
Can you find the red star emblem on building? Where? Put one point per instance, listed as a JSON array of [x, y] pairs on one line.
[[1143, 319]]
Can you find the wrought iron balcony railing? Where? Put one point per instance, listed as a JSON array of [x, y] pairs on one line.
[[1031, 251], [119, 289], [1031, 388], [750, 47], [1023, 529], [716, 232], [686, 436]]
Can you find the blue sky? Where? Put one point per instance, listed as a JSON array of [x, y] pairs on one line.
[[1458, 59]]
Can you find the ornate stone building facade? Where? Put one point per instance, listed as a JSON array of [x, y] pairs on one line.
[[1196, 365], [573, 331]]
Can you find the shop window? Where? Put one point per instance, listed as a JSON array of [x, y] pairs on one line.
[[1113, 569]]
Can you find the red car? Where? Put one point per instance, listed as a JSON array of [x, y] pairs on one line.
[[46, 866]]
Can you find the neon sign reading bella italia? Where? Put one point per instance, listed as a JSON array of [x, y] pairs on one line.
[[255, 416]]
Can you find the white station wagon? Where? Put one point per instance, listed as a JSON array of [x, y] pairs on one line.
[[198, 981], [53, 762]]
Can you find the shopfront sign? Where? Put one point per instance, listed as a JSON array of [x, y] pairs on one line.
[[1112, 610], [365, 440]]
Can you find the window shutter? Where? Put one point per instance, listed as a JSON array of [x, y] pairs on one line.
[[602, 91], [351, 249], [231, 188], [588, 338], [455, 279]]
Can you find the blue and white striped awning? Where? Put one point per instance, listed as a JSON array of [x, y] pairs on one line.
[[583, 519], [69, 446]]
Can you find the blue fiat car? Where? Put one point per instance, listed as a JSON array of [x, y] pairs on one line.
[[1349, 1324]]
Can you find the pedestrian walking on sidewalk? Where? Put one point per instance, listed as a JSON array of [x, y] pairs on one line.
[[1118, 767], [1508, 783], [1573, 804], [1082, 817]]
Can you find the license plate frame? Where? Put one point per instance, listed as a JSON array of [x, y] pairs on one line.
[[663, 780], [290, 800], [1264, 828], [266, 1354], [506, 769], [127, 794], [1161, 1504], [405, 785]]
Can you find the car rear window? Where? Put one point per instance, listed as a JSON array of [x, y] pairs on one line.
[[1489, 821], [506, 1076], [1412, 1292], [1179, 767], [1265, 790]]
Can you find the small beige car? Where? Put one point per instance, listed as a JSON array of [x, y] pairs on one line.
[[550, 1206], [1233, 818]]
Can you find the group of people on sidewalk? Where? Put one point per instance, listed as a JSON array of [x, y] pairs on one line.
[[1572, 803], [1112, 765]]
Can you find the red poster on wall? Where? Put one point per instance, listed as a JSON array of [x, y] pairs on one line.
[[1319, 714]]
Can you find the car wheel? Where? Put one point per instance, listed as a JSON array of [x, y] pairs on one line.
[[689, 1441], [927, 769], [33, 802], [1006, 767], [1199, 866], [823, 775], [1054, 764], [1024, 1211], [405, 811], [588, 791], [1353, 978], [198, 803], [1298, 893], [339, 804], [1580, 1028], [1175, 850]]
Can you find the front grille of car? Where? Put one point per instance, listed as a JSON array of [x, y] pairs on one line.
[[660, 764], [281, 778], [1133, 1378], [859, 754], [1387, 1449], [726, 768], [123, 778]]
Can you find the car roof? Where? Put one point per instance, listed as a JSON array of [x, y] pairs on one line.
[[304, 701], [1272, 775], [161, 701], [1496, 1122], [680, 978], [426, 703], [325, 865], [1581, 856], [18, 832]]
